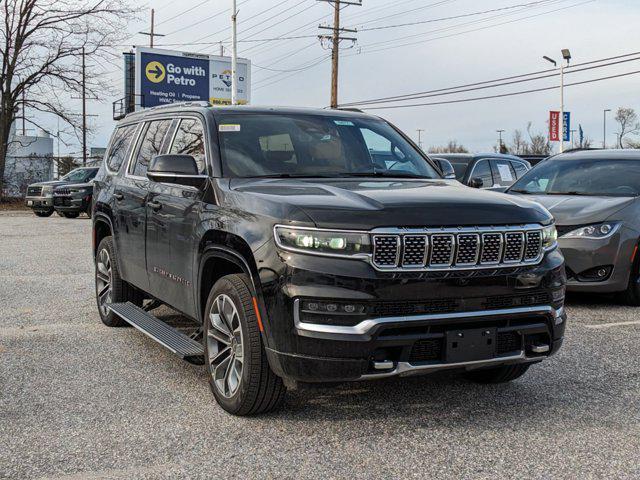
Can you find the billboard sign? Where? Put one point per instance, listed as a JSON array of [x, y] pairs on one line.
[[166, 76]]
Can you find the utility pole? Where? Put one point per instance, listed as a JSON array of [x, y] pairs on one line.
[[151, 33], [500, 132], [335, 39], [420, 130], [84, 109], [234, 55], [604, 127]]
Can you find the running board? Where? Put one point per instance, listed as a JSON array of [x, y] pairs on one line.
[[174, 340]]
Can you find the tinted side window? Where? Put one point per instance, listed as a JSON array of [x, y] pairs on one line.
[[189, 140], [503, 174], [483, 170], [150, 146], [119, 147], [520, 169]]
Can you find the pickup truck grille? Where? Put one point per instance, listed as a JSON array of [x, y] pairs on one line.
[[34, 191], [62, 191], [457, 249]]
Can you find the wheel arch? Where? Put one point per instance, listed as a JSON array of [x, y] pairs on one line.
[[223, 253], [102, 227]]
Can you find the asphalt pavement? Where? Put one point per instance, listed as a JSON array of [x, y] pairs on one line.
[[79, 400]]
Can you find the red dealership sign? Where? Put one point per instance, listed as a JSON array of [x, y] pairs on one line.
[[554, 126]]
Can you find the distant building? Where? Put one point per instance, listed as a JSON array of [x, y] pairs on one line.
[[29, 159]]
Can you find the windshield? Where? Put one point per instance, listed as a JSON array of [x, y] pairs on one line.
[[598, 177], [80, 175], [267, 145]]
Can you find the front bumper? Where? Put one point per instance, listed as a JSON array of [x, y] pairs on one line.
[[614, 253], [39, 203], [518, 305], [70, 203]]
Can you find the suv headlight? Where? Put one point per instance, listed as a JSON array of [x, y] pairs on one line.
[[549, 237], [596, 231], [47, 189], [323, 242]]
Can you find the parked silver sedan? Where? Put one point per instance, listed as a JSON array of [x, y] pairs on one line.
[[594, 197]]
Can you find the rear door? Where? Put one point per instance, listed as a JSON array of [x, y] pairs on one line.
[[172, 216], [130, 201]]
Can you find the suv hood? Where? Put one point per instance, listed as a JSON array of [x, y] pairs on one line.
[[52, 183], [369, 203], [76, 185], [579, 209]]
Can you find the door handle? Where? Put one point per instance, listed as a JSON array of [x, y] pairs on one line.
[[155, 205], [118, 196]]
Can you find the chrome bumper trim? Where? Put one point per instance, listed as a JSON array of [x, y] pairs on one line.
[[405, 368], [363, 331]]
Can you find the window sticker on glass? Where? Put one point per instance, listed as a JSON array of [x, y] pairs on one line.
[[505, 172], [229, 128], [344, 123]]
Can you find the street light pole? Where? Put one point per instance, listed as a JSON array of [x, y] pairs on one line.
[[604, 127], [500, 140], [234, 57], [566, 55], [420, 130]]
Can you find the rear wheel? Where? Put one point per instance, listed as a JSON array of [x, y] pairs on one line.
[[502, 374], [110, 288], [43, 213], [239, 374], [70, 214]]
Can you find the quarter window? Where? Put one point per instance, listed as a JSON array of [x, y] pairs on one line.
[[189, 140], [151, 146], [119, 147]]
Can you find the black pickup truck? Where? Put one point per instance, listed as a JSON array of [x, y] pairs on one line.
[[316, 246]]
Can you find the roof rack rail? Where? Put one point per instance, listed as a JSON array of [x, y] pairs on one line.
[[349, 109], [195, 103]]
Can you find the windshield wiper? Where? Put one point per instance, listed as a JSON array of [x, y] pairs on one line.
[[571, 193], [526, 192]]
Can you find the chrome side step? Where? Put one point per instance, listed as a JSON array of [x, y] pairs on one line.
[[167, 336]]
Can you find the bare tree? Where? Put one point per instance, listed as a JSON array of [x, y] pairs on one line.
[[628, 121], [539, 143], [519, 144], [452, 147], [41, 45]]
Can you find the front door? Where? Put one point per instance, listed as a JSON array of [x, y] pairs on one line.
[[172, 213]]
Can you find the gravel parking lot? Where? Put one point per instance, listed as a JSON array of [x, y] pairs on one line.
[[80, 400]]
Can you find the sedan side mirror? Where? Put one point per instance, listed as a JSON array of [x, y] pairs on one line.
[[177, 169], [446, 168], [476, 182]]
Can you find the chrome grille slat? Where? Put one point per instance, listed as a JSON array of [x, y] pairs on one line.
[[442, 249], [456, 248], [414, 250]]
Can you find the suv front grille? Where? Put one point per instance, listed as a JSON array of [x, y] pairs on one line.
[[34, 191], [62, 191], [460, 249]]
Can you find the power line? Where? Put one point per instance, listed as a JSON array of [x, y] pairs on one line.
[[454, 17], [494, 83], [321, 60], [510, 94], [183, 12]]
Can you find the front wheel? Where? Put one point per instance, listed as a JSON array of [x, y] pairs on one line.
[[240, 377], [502, 374], [632, 294]]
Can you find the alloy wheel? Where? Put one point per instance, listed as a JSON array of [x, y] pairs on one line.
[[225, 346], [103, 281]]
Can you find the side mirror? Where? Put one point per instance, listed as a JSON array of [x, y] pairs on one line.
[[177, 169], [476, 182], [445, 168]]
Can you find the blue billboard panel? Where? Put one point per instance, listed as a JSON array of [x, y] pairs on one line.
[[166, 79]]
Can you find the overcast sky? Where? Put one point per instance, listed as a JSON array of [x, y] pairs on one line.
[[438, 54]]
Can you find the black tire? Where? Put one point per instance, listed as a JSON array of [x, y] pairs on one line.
[[259, 390], [88, 211], [120, 291], [503, 374], [43, 213], [71, 214]]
